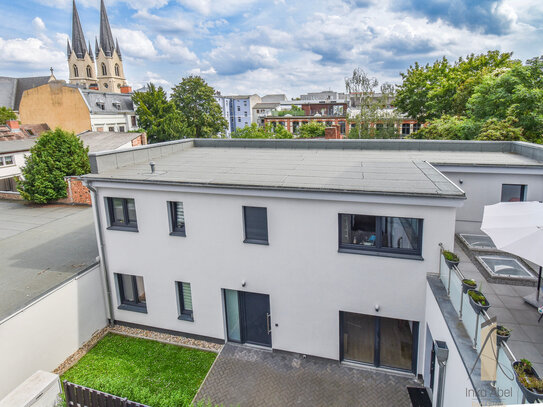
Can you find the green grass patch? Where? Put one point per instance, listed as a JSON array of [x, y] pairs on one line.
[[145, 371]]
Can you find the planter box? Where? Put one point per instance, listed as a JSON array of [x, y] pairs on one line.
[[501, 338], [476, 306], [531, 396], [451, 263], [467, 287]]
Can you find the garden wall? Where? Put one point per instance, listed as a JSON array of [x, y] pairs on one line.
[[43, 334]]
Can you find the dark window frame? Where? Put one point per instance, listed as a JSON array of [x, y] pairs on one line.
[[128, 305], [172, 215], [115, 225], [253, 240], [378, 250], [184, 314], [523, 191]]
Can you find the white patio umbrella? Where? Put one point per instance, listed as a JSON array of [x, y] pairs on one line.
[[517, 228]]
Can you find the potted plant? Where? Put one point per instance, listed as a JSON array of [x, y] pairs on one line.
[[478, 301], [528, 380], [502, 334], [451, 258], [468, 284]]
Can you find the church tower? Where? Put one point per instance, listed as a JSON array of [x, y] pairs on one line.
[[80, 59], [109, 62]]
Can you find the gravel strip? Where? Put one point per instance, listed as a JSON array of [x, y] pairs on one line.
[[166, 338], [136, 333]]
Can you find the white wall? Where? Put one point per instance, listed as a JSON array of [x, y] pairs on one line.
[[484, 187], [112, 120], [308, 281], [7, 171], [458, 387], [44, 334]]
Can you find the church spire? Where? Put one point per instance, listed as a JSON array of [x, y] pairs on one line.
[[118, 49], [106, 38], [90, 52], [69, 48], [78, 39]]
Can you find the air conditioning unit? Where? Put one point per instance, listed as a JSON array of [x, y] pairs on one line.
[[39, 390]]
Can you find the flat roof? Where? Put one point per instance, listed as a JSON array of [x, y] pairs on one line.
[[387, 167], [41, 247], [13, 146], [106, 140]]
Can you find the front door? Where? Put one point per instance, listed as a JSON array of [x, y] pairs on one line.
[[257, 319], [248, 318]]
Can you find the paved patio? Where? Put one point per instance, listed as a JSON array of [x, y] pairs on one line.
[[507, 304], [243, 376]]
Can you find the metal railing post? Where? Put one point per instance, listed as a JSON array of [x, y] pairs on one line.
[[476, 326], [449, 283]]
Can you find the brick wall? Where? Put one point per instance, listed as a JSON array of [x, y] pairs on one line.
[[77, 192], [140, 140], [332, 133]]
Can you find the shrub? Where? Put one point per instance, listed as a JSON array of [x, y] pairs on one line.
[[55, 155], [478, 297], [450, 256]]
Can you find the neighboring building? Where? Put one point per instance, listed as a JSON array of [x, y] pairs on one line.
[[75, 109], [239, 110], [106, 73], [98, 141], [276, 98], [324, 95], [329, 113], [324, 248], [11, 89], [263, 109], [224, 103], [15, 144]]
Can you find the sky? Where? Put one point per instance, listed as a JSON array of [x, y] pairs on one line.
[[271, 46]]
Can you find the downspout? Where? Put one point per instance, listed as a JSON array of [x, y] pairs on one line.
[[442, 354], [101, 252]]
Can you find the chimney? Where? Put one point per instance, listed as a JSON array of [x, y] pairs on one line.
[[13, 125], [126, 89]]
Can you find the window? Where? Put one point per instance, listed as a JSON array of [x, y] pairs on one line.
[[133, 119], [131, 293], [122, 214], [513, 193], [177, 218], [239, 119], [111, 128], [245, 113], [6, 160], [184, 297], [256, 225], [365, 233], [89, 71], [121, 129], [238, 108], [104, 69], [76, 71], [416, 127], [342, 127], [117, 71], [406, 128]]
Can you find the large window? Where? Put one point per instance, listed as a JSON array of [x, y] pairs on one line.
[[513, 193], [406, 129], [256, 225], [177, 218], [132, 293], [122, 214], [184, 297], [384, 234], [6, 160]]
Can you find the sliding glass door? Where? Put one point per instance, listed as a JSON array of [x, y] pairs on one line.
[[378, 341]]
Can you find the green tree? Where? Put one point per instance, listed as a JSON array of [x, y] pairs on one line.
[[194, 100], [281, 133], [312, 130], [430, 91], [512, 93], [449, 128], [255, 131], [158, 116], [6, 114], [500, 130], [56, 154]]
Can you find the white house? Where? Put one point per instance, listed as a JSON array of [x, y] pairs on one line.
[[317, 247]]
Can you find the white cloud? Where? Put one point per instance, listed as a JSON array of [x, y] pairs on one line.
[[213, 7], [175, 50], [38, 24], [171, 24], [134, 43], [29, 51], [135, 4]]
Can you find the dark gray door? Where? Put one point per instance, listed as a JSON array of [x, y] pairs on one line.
[[257, 319]]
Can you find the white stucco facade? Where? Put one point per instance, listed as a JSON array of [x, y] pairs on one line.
[[309, 282], [119, 122]]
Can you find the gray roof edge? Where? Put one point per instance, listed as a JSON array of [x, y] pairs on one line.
[[92, 178], [112, 159]]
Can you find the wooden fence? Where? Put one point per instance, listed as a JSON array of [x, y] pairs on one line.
[[80, 396]]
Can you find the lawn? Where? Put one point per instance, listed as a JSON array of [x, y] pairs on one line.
[[149, 372]]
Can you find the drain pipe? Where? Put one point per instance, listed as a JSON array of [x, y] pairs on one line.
[[442, 354], [102, 253]]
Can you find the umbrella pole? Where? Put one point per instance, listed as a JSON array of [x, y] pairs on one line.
[[538, 285]]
